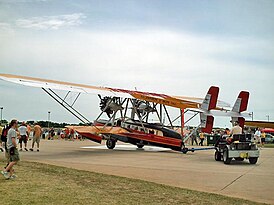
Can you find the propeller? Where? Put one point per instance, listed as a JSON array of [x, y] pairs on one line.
[[109, 105], [143, 107]]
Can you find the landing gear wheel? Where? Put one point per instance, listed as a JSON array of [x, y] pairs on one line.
[[110, 143], [184, 149], [226, 159], [253, 160], [140, 146], [218, 156]]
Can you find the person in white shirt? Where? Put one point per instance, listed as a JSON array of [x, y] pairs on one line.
[[13, 153], [23, 131], [257, 136], [236, 130]]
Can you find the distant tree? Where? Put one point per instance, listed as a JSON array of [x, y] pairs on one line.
[[31, 122], [4, 122]]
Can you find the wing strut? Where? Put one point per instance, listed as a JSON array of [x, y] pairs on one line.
[[168, 117], [65, 105]]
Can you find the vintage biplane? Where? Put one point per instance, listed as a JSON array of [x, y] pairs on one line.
[[128, 112]]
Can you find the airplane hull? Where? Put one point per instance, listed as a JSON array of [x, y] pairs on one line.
[[133, 133]]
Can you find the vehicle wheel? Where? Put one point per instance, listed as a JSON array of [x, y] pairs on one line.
[[185, 150], [226, 159], [110, 143], [218, 156], [140, 146], [253, 160], [239, 159]]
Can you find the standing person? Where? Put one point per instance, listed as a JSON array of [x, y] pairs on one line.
[[59, 133], [37, 132], [23, 131], [72, 134], [4, 136], [202, 138], [263, 138], [1, 142], [12, 150], [194, 138], [62, 134], [51, 134], [28, 131], [257, 136], [67, 133]]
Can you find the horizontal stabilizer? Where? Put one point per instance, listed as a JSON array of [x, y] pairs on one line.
[[206, 123]]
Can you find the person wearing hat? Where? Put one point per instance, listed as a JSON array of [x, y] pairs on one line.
[[236, 130]]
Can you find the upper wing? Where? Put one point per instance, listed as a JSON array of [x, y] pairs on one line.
[[58, 85], [173, 101]]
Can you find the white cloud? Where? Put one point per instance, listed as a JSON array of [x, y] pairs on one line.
[[51, 22], [5, 28]]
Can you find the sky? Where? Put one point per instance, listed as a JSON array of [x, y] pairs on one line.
[[175, 47]]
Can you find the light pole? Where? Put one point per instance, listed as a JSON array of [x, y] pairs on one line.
[[1, 114], [252, 115], [48, 118], [267, 118]]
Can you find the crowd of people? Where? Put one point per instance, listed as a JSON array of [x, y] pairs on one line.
[[58, 133], [259, 136], [12, 133], [15, 138]]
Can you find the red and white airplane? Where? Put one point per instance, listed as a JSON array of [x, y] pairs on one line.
[[128, 112]]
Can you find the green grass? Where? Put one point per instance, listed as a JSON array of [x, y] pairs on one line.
[[46, 184], [269, 145]]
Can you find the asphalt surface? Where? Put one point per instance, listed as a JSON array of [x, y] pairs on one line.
[[196, 171]]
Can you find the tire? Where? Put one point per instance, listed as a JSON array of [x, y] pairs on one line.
[[239, 159], [185, 150], [218, 156], [253, 160], [110, 143], [140, 146], [226, 159]]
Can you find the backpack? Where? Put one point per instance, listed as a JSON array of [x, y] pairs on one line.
[[5, 134]]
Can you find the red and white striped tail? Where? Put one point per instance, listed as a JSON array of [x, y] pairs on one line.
[[208, 104], [240, 106]]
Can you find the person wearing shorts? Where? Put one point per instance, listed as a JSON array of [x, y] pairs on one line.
[[13, 153], [263, 138], [37, 132], [36, 140], [23, 131], [257, 136]]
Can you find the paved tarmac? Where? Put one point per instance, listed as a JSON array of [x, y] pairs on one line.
[[196, 171]]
